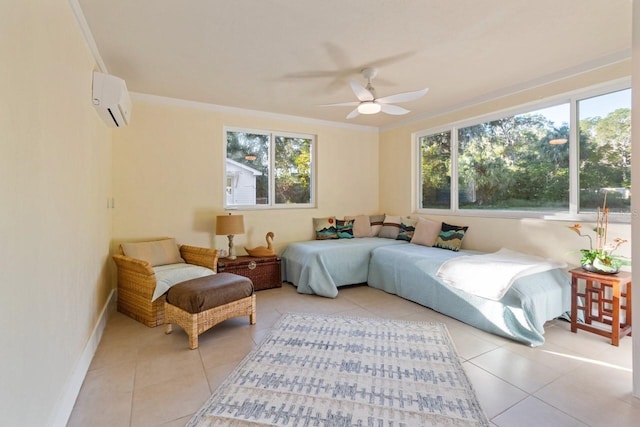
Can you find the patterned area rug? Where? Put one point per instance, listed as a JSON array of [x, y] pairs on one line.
[[327, 371]]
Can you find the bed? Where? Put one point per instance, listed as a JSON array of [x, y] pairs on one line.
[[321, 266], [410, 272]]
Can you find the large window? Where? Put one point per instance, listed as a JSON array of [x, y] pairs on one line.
[[523, 162], [605, 151], [265, 169]]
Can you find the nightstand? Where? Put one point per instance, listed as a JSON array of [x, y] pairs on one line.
[[602, 299], [264, 272]]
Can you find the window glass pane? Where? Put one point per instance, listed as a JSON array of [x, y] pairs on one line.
[[247, 169], [292, 170], [605, 151], [516, 163], [435, 170]]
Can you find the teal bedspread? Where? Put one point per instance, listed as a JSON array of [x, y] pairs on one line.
[[410, 272], [321, 266]]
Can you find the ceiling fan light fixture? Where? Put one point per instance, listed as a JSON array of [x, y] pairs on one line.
[[369, 107]]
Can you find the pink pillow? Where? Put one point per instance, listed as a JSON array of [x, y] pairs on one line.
[[426, 232], [361, 225]]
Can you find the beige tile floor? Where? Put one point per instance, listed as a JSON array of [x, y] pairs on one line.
[[141, 377]]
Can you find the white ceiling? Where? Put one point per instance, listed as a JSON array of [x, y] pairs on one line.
[[289, 56]]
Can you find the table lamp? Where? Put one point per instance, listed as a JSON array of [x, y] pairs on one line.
[[230, 225]]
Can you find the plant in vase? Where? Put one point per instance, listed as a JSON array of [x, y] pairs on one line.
[[601, 259]]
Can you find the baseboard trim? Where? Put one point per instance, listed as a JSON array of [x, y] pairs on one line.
[[63, 410]]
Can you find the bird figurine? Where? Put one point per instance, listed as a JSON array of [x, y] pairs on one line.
[[261, 250]]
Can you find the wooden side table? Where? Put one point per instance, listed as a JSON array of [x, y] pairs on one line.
[[603, 299]]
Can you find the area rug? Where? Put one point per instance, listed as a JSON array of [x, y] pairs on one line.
[[314, 370]]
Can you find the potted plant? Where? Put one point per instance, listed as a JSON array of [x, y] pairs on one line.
[[601, 258]]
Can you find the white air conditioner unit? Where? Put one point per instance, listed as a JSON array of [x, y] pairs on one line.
[[111, 99]]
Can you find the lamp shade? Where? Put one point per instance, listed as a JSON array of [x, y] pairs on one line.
[[229, 224]]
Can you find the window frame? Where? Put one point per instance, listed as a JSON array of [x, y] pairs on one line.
[[271, 179], [573, 213]]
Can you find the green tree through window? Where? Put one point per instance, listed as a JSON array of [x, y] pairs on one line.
[[268, 169]]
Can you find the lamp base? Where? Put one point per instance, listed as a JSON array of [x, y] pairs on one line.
[[232, 251]]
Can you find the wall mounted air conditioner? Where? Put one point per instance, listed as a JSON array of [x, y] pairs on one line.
[[111, 99]]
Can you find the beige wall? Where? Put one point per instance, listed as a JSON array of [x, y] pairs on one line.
[[541, 237], [168, 177], [55, 163], [635, 183], [56, 177]]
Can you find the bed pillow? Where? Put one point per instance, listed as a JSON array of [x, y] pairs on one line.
[[157, 252], [407, 228], [344, 228], [361, 225], [390, 227], [450, 237], [325, 228], [376, 224], [426, 232]]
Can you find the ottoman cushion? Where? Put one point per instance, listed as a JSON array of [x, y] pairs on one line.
[[204, 293]]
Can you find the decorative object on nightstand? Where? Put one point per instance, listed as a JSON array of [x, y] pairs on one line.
[[264, 272], [262, 251], [601, 302], [601, 259], [230, 225]]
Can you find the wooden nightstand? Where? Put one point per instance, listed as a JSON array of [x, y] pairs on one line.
[[264, 272], [601, 300]]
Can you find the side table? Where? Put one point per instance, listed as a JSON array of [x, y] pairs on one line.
[[603, 299], [264, 272]]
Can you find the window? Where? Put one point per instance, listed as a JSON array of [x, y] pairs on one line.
[[264, 169], [514, 163], [522, 162], [605, 151]]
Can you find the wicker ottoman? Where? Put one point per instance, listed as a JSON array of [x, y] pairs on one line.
[[199, 304]]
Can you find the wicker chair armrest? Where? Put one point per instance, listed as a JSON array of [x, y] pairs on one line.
[[203, 257], [132, 264]]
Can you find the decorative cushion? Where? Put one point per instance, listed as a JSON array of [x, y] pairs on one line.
[[344, 228], [157, 252], [376, 224], [426, 232], [407, 227], [390, 227], [450, 237], [325, 228], [204, 293], [361, 225]]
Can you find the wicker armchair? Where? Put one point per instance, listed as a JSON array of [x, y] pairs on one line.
[[137, 282]]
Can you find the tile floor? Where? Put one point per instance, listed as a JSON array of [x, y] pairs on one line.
[[141, 377]]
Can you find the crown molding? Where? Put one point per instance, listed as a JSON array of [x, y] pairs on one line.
[[162, 100], [87, 35]]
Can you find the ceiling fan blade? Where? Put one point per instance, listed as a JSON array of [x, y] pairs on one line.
[[393, 109], [341, 104], [353, 114], [403, 97], [361, 93]]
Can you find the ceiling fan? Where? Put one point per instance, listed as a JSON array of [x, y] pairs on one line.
[[369, 103]]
